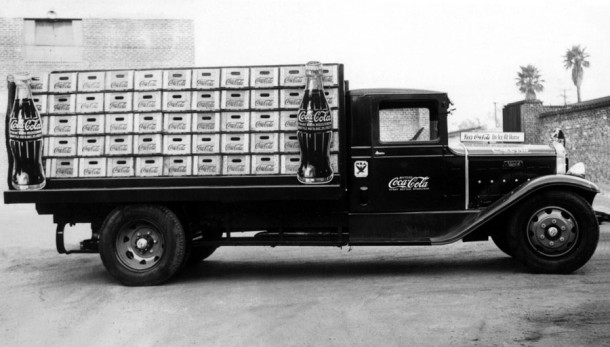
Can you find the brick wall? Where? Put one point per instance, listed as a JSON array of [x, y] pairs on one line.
[[586, 128], [107, 44]]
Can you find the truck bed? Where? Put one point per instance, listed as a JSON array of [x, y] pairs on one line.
[[221, 189]]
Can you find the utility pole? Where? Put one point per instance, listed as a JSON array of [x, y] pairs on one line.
[[496, 114], [565, 98]]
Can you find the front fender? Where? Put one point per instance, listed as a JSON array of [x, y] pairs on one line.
[[578, 185]]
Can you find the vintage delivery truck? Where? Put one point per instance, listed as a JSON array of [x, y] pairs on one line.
[[167, 166]]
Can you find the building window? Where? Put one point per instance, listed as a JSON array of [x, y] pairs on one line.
[[53, 40]]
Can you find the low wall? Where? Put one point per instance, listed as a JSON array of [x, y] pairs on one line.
[[586, 127]]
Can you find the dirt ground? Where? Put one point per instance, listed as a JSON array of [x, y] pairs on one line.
[[465, 294]]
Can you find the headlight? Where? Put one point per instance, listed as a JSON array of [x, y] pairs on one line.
[[561, 157], [578, 170]]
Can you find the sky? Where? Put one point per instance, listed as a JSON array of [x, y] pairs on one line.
[[470, 49]]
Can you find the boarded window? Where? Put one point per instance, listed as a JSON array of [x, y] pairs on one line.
[[53, 40], [406, 124]]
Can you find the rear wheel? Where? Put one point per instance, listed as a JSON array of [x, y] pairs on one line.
[[554, 232], [142, 244]]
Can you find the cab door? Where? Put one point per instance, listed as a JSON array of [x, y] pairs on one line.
[[406, 170]]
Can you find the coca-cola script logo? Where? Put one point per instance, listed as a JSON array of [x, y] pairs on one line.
[[91, 128], [205, 126], [177, 82], [177, 169], [119, 148], [148, 126], [235, 103], [234, 81], [264, 145], [206, 104], [149, 170], [149, 83], [177, 126], [292, 101], [64, 171], [207, 83], [29, 128], [263, 80], [207, 168], [176, 147], [121, 170], [91, 149], [264, 103], [265, 168], [118, 105], [147, 104], [89, 105], [293, 79], [235, 125], [319, 120], [176, 104], [121, 84], [63, 85], [234, 147], [205, 148], [407, 183], [91, 85], [264, 124], [147, 147]]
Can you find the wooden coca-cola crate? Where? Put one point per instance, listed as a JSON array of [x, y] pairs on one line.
[[236, 165], [119, 80], [264, 121], [90, 146], [206, 78], [264, 77], [206, 143], [263, 164], [90, 103], [120, 167], [92, 124], [177, 79], [148, 123], [148, 80], [178, 166], [207, 165], [91, 81], [92, 167]]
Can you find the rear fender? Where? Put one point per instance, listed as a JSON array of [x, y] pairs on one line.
[[580, 186]]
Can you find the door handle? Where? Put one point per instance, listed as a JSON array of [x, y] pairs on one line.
[[379, 153]]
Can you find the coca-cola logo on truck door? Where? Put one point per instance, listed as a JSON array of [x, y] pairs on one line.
[[409, 183]]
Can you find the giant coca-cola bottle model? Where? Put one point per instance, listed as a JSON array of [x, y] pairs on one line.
[[25, 138], [314, 130]]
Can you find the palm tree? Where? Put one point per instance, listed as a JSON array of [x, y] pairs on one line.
[[575, 58], [529, 81]]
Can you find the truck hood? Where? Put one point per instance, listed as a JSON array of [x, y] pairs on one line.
[[502, 149]]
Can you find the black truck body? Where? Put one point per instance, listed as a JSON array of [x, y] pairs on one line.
[[396, 185]]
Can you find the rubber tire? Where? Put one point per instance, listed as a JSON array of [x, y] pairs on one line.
[[175, 244], [577, 256], [500, 239]]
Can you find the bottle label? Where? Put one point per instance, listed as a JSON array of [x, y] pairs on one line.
[[315, 120], [21, 129]]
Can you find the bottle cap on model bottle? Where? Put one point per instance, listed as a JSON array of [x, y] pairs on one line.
[[313, 68], [21, 77]]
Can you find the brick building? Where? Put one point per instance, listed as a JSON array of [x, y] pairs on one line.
[[48, 44]]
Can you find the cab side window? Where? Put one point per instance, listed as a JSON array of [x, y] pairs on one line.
[[402, 123]]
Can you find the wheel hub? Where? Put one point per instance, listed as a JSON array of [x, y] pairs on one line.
[[552, 231], [140, 245]]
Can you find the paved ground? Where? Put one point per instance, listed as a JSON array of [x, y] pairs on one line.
[[461, 294]]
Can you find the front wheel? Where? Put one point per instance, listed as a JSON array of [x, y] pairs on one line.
[[554, 232], [142, 245]]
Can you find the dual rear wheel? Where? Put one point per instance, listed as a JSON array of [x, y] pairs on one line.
[[144, 245]]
